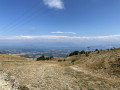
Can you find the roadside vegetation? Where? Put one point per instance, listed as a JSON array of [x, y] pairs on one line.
[[44, 58]]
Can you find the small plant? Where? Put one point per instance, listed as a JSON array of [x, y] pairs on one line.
[[86, 54], [73, 61], [51, 57], [98, 52], [24, 87], [59, 60]]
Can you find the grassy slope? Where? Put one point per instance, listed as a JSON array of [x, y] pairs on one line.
[[65, 75], [9, 61], [105, 62], [7, 57], [50, 75]]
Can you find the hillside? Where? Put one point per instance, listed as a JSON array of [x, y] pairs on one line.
[[79, 72], [104, 62]]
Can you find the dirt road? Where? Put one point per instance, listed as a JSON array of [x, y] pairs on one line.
[[50, 76], [4, 85]]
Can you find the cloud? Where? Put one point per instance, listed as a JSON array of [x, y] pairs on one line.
[[53, 37], [77, 40], [59, 41], [64, 32], [54, 3]]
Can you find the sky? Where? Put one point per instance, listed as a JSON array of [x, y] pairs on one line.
[[79, 22]]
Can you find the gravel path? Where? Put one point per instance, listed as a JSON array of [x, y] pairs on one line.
[[48, 76], [4, 84]]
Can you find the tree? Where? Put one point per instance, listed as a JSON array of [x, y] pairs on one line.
[[41, 58], [96, 50], [82, 52], [74, 53]]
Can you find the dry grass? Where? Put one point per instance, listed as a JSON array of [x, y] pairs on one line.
[[54, 75], [106, 63]]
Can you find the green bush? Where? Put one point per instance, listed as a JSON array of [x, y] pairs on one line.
[[96, 50], [44, 58], [41, 58], [73, 61], [74, 53], [82, 52], [59, 60], [24, 87]]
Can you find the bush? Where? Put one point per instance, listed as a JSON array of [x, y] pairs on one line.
[[73, 61], [59, 60], [24, 88], [74, 53], [44, 58], [96, 50], [82, 52], [86, 54], [51, 57], [41, 58]]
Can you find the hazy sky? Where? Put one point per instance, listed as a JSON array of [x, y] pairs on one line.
[[63, 20]]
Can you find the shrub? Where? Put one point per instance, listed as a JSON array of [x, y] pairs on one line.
[[41, 58], [51, 57], [96, 50], [86, 54], [74, 53], [59, 60], [24, 87], [73, 61], [44, 58], [82, 52]]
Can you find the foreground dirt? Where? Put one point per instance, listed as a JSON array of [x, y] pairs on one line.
[[49, 76], [4, 85]]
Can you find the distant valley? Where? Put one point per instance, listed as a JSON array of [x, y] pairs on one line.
[[55, 51], [34, 53]]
